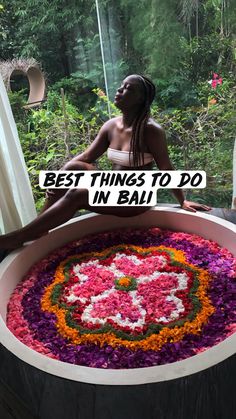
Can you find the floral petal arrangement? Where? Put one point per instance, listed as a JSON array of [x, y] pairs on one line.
[[127, 299]]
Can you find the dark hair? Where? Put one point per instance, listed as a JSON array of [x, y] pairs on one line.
[[141, 121]]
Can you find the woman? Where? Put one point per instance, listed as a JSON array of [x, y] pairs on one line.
[[133, 141]]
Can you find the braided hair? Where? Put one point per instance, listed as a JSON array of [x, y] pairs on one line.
[[141, 120]]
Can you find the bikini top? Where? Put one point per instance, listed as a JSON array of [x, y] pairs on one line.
[[125, 158]]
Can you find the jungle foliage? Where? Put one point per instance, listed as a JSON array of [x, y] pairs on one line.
[[199, 138]]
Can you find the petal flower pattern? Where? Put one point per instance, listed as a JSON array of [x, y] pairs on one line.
[[127, 299], [153, 300]]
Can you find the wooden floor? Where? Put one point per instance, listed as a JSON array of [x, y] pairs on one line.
[[19, 401]]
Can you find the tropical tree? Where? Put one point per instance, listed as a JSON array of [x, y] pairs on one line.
[[189, 9], [46, 30]]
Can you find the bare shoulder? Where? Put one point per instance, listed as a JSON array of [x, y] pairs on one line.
[[111, 123], [154, 134], [154, 129], [157, 145]]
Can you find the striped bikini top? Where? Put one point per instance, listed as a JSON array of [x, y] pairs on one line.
[[125, 158]]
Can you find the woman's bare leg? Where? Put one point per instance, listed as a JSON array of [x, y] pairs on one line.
[[60, 212], [53, 195]]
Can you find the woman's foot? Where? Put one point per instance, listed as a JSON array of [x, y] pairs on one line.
[[15, 240], [3, 254], [10, 242]]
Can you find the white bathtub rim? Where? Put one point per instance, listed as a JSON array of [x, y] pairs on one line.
[[198, 214], [135, 376]]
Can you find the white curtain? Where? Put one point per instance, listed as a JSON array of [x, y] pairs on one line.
[[16, 200]]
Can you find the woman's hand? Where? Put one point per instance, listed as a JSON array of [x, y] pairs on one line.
[[194, 206]]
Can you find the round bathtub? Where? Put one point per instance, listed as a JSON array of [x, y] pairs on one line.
[[13, 268]]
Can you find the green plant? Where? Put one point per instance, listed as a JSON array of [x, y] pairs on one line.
[[18, 100], [199, 138], [78, 90]]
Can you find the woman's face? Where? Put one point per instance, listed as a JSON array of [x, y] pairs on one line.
[[130, 93]]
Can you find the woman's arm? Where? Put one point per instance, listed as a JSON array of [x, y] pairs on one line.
[[157, 145]]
